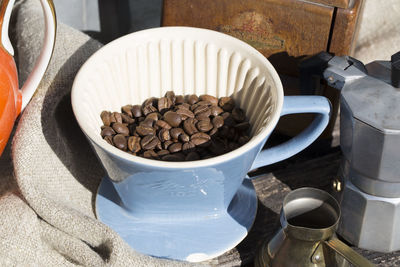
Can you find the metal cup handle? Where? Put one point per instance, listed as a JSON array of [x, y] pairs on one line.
[[349, 254]]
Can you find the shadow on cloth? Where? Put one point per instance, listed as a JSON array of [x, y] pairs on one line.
[[7, 181], [61, 129]]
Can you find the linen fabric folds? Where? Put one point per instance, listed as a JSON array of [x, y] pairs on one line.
[[49, 213]]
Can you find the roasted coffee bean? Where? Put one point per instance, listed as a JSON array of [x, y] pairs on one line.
[[127, 109], [166, 144], [109, 139], [175, 147], [185, 105], [243, 126], [201, 135], [171, 96], [107, 131], [189, 126], [153, 116], [192, 99], [173, 118], [200, 139], [149, 142], [176, 132], [136, 111], [233, 145], [120, 141], [145, 130], [212, 99], [179, 99], [150, 154], [127, 119], [106, 117], [162, 152], [236, 137], [217, 147], [152, 101], [184, 138], [149, 109], [202, 151], [148, 122], [174, 157], [203, 115], [164, 135], [163, 124], [192, 156], [112, 119], [132, 129], [218, 121], [120, 128], [201, 109], [164, 103], [185, 113], [213, 131], [188, 146], [203, 103], [202, 112], [200, 103], [116, 117], [238, 115], [215, 111], [243, 140], [231, 134], [226, 103], [204, 125], [225, 115], [134, 144], [159, 145], [228, 121], [227, 118], [223, 131], [177, 127]]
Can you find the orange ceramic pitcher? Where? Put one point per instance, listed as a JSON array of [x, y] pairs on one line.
[[12, 99]]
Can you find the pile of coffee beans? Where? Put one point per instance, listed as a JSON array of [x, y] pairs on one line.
[[177, 128]]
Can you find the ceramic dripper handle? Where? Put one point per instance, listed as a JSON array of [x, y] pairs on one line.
[[349, 254], [294, 105]]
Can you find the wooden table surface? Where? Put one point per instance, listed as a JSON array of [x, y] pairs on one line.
[[315, 167]]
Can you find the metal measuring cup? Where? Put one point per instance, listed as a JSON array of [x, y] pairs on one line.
[[309, 219]]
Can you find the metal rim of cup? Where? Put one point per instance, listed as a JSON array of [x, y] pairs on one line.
[[307, 233], [254, 141]]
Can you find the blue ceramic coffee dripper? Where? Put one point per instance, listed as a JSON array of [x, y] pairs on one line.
[[192, 210]]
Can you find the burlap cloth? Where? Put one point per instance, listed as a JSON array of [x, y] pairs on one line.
[[47, 204], [48, 214]]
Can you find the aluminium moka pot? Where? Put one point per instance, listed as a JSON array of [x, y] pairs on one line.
[[370, 142]]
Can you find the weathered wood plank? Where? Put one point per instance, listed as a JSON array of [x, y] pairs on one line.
[[344, 29], [282, 30], [334, 3]]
